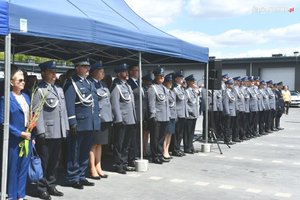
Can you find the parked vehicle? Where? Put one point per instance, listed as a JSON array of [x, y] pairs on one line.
[[295, 98]]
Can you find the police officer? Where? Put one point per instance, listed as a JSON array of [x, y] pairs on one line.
[[265, 124], [229, 110], [83, 113], [51, 127], [272, 101], [134, 84], [96, 76], [238, 130], [124, 119], [193, 114], [253, 107], [280, 105], [159, 115], [181, 110], [246, 95]]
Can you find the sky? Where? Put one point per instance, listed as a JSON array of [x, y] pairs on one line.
[[229, 28]]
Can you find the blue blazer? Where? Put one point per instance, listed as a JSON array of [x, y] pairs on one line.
[[16, 118]]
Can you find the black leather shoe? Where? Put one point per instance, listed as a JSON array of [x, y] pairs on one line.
[[129, 168], [103, 176], [164, 160], [279, 128], [237, 140], [85, 182], [176, 153], [168, 157], [230, 143], [157, 161], [189, 152], [53, 191], [95, 177], [121, 171], [44, 195], [77, 185], [274, 129]]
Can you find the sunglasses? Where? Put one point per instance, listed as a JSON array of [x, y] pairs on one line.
[[20, 80]]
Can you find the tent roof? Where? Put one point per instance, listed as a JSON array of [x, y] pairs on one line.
[[102, 29]]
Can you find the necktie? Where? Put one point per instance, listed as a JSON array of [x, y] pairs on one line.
[[54, 89]]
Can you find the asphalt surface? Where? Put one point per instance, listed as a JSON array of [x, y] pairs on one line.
[[264, 168]]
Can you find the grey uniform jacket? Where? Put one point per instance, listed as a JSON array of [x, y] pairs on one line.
[[272, 99], [240, 101], [122, 103], [246, 98], [181, 101], [172, 104], [53, 120], [158, 103], [203, 100], [265, 96], [192, 104], [229, 107], [260, 102], [253, 104], [136, 93], [104, 100], [218, 100]]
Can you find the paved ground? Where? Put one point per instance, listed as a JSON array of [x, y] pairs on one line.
[[265, 168]]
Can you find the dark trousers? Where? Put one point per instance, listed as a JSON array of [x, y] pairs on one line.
[[49, 151], [189, 135], [267, 120], [272, 119], [124, 138], [178, 136], [247, 130], [210, 123], [253, 122], [228, 124], [79, 146], [286, 106], [240, 121], [238, 126], [218, 116], [261, 123], [157, 133]]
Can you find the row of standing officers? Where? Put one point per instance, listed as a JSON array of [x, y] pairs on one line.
[[83, 110]]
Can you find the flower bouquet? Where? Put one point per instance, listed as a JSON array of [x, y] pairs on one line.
[[33, 117]]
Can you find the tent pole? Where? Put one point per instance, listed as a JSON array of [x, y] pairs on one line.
[[141, 165], [206, 106], [6, 115], [206, 147], [141, 104]]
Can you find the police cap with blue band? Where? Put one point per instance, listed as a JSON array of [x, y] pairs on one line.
[[50, 65], [121, 68]]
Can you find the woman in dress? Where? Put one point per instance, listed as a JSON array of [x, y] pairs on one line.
[[96, 76], [170, 129], [17, 169]]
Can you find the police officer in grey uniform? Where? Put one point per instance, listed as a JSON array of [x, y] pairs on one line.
[[266, 103], [218, 114], [272, 102], [84, 120], [51, 127], [159, 115], [181, 110], [246, 95], [133, 81], [238, 129], [261, 106], [253, 107], [229, 110], [124, 119], [96, 76], [193, 114]]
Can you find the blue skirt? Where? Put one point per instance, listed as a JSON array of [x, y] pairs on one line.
[[170, 128]]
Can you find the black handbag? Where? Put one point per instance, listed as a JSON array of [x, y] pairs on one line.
[[35, 171]]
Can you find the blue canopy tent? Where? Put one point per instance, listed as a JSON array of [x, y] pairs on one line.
[[106, 30]]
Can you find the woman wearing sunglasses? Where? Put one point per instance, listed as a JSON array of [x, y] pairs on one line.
[[17, 168]]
